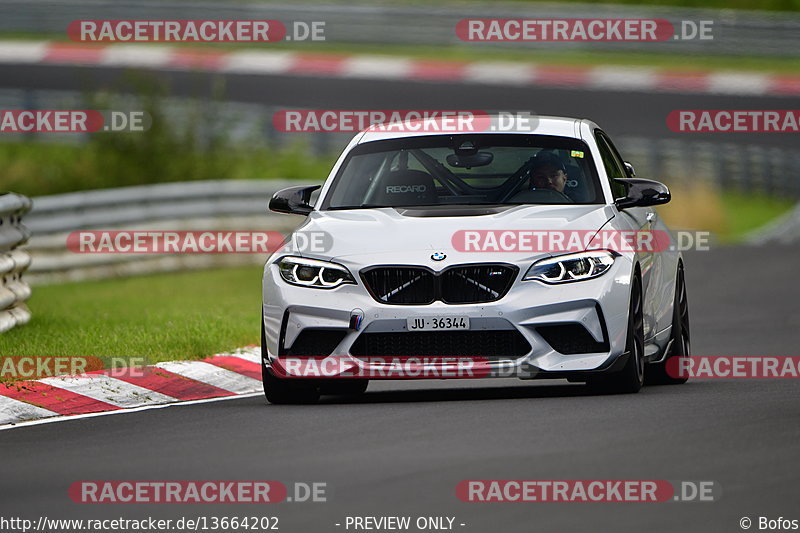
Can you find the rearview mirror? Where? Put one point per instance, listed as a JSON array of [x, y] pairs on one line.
[[641, 193], [293, 200], [478, 159]]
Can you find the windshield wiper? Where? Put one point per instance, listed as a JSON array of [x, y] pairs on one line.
[[362, 206]]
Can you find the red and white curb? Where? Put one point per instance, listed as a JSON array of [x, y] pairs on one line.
[[399, 68], [224, 375]]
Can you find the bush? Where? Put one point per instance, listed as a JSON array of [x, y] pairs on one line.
[[197, 146]]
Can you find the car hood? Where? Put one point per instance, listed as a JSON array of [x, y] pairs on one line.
[[411, 236]]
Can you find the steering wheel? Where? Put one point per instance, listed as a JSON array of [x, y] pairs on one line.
[[541, 196]]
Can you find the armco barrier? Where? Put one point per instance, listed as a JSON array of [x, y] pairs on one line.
[[199, 206], [14, 292], [230, 205]]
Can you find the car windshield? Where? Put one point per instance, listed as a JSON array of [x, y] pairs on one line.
[[492, 169]]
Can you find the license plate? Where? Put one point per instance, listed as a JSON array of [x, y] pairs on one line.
[[437, 323]]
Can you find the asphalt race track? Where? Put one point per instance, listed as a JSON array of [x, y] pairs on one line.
[[618, 112], [402, 449]]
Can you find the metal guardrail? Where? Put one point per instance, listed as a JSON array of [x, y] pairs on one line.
[[735, 31], [14, 291], [225, 205], [746, 168], [230, 205], [146, 203]]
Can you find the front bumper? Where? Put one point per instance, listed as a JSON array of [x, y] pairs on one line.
[[599, 305]]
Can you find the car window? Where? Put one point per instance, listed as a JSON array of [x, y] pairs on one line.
[[464, 170]]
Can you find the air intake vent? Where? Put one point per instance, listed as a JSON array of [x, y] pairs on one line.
[[316, 342], [491, 344], [570, 339]]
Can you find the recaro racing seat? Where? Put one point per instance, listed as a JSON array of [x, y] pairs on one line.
[[407, 187]]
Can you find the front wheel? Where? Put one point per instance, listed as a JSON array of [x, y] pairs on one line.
[[344, 387], [287, 391], [631, 378], [282, 391], [680, 346]]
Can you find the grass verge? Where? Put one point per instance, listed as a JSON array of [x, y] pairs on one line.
[[729, 215], [529, 54], [175, 316], [581, 58], [197, 145], [749, 212]]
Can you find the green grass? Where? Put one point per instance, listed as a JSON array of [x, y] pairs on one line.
[[198, 148], [469, 52], [747, 212], [158, 317], [531, 54]]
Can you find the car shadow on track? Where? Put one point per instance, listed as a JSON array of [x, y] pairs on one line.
[[460, 394]]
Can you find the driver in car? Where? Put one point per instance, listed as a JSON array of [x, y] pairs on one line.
[[548, 172]]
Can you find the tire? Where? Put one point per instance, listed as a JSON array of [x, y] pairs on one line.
[[631, 378], [680, 338], [344, 387], [284, 391]]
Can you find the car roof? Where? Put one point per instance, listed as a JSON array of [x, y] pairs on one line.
[[524, 124]]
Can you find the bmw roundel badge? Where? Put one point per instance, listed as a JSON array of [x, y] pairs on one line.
[[438, 256]]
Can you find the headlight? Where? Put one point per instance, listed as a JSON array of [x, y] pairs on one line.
[[572, 267], [313, 273]]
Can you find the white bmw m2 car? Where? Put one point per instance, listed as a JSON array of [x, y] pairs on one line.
[[532, 253]]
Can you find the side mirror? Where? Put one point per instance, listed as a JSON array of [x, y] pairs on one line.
[[629, 170], [641, 193], [293, 200]]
